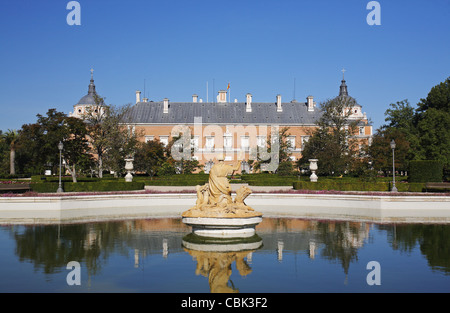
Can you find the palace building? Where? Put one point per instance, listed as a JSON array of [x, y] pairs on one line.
[[226, 129]]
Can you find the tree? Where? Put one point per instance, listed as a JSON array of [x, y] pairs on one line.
[[4, 149], [401, 117], [149, 157], [332, 142], [37, 143], [111, 137], [434, 129], [76, 146], [283, 154], [433, 123], [97, 130], [11, 139], [183, 165], [438, 98], [381, 153]]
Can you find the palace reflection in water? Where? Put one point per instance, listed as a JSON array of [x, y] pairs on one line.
[[50, 247]]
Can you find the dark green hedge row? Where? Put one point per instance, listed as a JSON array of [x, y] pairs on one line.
[[268, 180], [54, 179], [175, 182], [360, 186], [425, 171], [88, 186]]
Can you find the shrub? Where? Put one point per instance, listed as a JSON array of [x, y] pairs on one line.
[[88, 186], [103, 186], [358, 186], [285, 168], [425, 171], [44, 187]]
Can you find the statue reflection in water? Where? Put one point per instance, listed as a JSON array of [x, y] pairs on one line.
[[214, 260]]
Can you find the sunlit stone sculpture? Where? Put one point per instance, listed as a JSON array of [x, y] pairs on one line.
[[216, 213], [129, 167], [313, 168]]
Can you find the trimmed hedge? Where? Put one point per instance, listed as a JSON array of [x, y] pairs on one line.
[[175, 180], [425, 171], [43, 178], [358, 186], [268, 179], [88, 186]]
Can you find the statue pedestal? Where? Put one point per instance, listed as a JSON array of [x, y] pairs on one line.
[[217, 227]]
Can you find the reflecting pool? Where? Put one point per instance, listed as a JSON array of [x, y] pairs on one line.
[[285, 255]]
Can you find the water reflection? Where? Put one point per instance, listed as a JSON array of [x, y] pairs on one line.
[[50, 247], [214, 258]]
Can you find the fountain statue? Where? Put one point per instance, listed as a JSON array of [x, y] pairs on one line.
[[216, 213]]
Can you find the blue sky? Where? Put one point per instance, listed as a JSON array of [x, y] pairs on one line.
[[259, 46]]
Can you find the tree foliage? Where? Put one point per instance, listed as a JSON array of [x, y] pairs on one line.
[[37, 144], [110, 135], [332, 143], [149, 157], [425, 130]]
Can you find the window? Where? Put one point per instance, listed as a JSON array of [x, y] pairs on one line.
[[362, 131], [209, 145], [261, 141], [304, 141], [227, 142], [194, 143], [245, 143], [164, 140], [291, 142], [149, 138]]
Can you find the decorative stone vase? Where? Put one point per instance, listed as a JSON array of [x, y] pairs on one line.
[[313, 168], [129, 167]]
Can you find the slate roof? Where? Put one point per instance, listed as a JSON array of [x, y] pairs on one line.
[[87, 100], [223, 113]]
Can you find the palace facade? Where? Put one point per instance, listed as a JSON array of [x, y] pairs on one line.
[[228, 129]]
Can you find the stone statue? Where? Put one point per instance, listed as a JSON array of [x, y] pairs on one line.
[[214, 198]]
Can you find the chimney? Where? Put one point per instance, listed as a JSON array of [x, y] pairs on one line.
[[194, 98], [166, 105], [222, 96], [279, 108], [248, 107], [310, 103], [138, 96], [145, 99]]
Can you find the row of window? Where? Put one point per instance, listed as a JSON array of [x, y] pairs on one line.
[[261, 141]]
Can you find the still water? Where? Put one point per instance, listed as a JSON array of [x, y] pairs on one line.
[[286, 255]]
